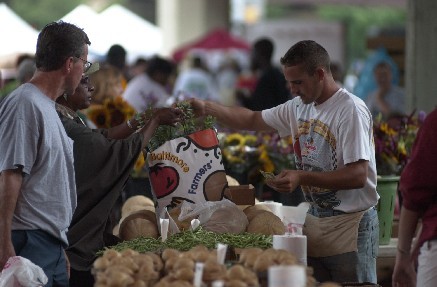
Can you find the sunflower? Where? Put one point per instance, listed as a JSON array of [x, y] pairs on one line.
[[98, 115], [138, 170], [234, 139], [113, 112]]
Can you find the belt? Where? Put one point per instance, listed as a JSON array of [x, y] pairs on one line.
[[326, 212]]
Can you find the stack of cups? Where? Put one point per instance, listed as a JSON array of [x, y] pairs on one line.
[[295, 244], [287, 276]]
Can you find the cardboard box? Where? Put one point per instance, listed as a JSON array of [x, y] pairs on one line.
[[241, 194]]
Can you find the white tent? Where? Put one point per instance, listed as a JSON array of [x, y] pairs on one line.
[[16, 34], [136, 35], [82, 16], [117, 25], [86, 18]]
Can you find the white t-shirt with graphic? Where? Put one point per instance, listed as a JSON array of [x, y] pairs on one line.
[[326, 137], [142, 92]]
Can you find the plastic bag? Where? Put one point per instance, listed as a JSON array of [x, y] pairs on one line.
[[202, 211], [222, 216], [21, 272]]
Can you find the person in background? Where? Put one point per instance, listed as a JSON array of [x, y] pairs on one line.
[[196, 81], [116, 57], [107, 83], [227, 78], [418, 185], [25, 67], [26, 70], [152, 88], [103, 160], [270, 87], [37, 184], [335, 159], [138, 67], [337, 73], [388, 99]]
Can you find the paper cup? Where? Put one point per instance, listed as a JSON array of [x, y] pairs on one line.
[[287, 276], [295, 244]]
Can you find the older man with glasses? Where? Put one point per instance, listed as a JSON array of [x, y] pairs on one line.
[[37, 179]]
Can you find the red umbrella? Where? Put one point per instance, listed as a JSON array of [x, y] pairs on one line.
[[218, 39]]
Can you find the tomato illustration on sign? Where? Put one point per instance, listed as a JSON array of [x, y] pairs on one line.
[[164, 179], [206, 139]]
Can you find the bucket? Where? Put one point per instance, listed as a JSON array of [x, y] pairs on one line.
[[387, 187]]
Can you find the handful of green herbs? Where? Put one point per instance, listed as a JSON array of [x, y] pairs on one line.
[[187, 126], [186, 240]]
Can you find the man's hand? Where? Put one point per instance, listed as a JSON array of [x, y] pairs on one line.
[[6, 251], [198, 107], [67, 263], [286, 181], [168, 116], [404, 274], [10, 184]]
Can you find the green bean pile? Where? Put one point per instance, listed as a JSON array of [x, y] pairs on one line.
[[186, 240]]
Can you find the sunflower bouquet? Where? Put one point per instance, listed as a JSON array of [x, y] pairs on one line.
[[266, 151], [393, 141], [240, 151], [113, 112]]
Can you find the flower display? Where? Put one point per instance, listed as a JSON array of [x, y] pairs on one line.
[[393, 141], [113, 112], [243, 151]]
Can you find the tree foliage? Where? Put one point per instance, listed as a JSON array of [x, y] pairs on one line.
[[40, 12], [360, 20]]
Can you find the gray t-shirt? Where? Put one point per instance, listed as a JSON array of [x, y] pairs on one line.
[[32, 136], [395, 99]]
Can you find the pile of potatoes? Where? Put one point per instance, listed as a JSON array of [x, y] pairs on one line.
[[175, 268], [263, 221], [139, 219]]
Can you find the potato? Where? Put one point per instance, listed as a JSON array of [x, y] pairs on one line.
[[134, 202], [169, 253], [184, 273], [137, 224], [266, 223], [253, 210], [236, 272]]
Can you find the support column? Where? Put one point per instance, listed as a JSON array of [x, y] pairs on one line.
[[184, 21], [420, 81]]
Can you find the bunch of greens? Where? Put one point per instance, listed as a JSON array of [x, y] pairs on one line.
[[187, 126], [186, 240]]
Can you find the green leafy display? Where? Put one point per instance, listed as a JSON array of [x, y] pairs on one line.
[[187, 126], [186, 240]]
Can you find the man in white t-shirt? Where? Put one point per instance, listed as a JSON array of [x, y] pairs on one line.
[[196, 81], [335, 158], [150, 89]]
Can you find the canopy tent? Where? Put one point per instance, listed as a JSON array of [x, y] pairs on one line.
[[16, 34], [218, 39], [85, 17], [117, 25], [82, 16], [120, 26]]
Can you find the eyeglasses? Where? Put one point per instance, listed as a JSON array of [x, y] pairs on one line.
[[86, 65]]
